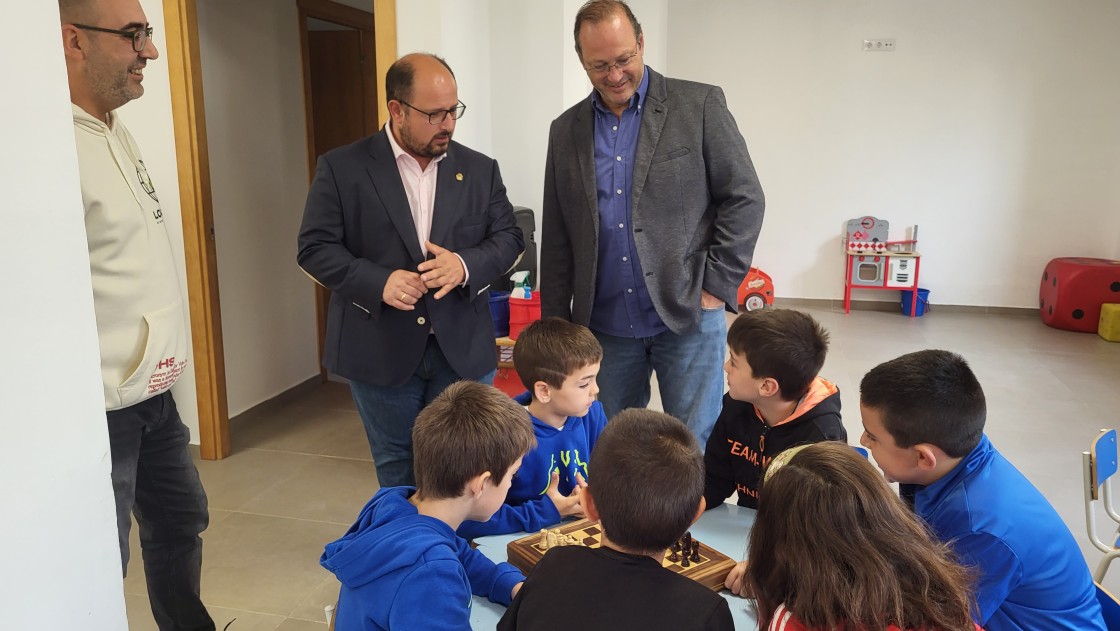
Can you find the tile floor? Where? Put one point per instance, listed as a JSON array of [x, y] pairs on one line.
[[299, 474]]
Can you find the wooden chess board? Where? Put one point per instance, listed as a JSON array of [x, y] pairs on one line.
[[710, 571]]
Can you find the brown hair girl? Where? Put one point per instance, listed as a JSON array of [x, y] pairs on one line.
[[833, 547]]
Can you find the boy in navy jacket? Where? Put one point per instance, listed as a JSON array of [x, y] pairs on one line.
[[923, 419], [401, 565], [558, 362]]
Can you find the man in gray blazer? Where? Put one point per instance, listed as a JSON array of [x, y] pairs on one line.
[[408, 229], [651, 213]]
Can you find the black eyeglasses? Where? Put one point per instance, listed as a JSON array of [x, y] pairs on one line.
[[138, 36], [437, 117]]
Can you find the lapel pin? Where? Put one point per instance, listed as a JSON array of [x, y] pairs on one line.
[[459, 177]]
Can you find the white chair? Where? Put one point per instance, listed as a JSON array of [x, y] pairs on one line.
[[1099, 467]]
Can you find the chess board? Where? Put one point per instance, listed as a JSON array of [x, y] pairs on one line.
[[710, 571]]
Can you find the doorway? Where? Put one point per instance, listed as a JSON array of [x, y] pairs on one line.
[[341, 95], [188, 114]]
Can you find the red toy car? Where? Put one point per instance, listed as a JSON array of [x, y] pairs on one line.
[[757, 290]]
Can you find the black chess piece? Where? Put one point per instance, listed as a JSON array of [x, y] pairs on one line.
[[674, 557], [684, 560], [676, 546], [695, 558], [686, 542]]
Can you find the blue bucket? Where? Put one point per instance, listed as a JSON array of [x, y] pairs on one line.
[[499, 312], [923, 302]]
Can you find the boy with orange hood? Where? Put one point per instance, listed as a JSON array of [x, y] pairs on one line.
[[775, 401]]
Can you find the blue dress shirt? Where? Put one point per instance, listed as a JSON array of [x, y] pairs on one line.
[[622, 304]]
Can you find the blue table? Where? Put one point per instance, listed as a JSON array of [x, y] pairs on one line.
[[724, 528]]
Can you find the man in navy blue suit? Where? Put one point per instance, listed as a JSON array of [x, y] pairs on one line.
[[408, 229]]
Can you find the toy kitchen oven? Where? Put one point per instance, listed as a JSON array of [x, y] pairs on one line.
[[873, 262]]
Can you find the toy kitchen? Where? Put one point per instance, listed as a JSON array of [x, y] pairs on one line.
[[875, 262]]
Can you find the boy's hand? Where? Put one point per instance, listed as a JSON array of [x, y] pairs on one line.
[[736, 580], [566, 505], [516, 588]]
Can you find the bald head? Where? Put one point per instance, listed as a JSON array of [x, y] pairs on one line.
[[405, 72], [99, 40], [423, 102], [77, 11]]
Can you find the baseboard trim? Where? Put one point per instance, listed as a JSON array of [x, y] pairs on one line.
[[892, 307], [283, 399]]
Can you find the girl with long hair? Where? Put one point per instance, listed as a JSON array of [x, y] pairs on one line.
[[833, 548]]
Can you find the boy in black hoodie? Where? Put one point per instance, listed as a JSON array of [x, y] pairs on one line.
[[775, 401], [645, 491]]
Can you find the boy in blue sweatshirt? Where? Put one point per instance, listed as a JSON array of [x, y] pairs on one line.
[[923, 419], [401, 565], [558, 362]]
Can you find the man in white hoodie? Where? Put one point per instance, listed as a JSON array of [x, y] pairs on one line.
[[140, 318]]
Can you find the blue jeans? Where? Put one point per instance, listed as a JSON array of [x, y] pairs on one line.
[[389, 412], [689, 371], [155, 479]]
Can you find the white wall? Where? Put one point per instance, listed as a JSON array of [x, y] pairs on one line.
[[458, 31], [536, 75], [525, 65], [993, 126], [58, 541], [516, 62], [420, 27], [466, 29], [506, 56], [576, 85], [253, 88], [987, 126], [653, 15]]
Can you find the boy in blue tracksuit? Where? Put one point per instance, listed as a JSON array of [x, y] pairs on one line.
[[558, 362], [923, 418], [401, 565]]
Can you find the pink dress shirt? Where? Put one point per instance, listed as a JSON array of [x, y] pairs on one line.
[[420, 188]]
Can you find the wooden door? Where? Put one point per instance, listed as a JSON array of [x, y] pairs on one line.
[[343, 104], [187, 111], [341, 73]]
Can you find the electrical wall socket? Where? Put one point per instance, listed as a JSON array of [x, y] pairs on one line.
[[878, 45]]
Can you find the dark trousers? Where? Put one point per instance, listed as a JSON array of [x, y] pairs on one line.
[[155, 479], [388, 413]]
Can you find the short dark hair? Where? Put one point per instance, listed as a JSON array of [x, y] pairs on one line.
[[469, 429], [833, 542], [929, 396], [786, 345], [551, 349], [399, 78], [596, 11], [647, 478]]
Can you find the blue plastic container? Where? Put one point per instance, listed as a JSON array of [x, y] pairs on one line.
[[499, 312], [923, 302]]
